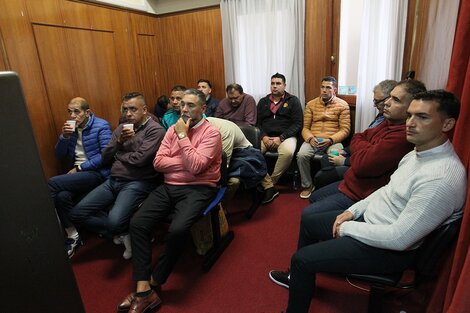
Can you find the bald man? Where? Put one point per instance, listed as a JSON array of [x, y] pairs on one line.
[[81, 142]]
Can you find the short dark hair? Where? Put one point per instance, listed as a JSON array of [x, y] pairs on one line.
[[132, 95], [448, 103], [411, 87], [330, 79], [163, 101], [178, 88], [205, 81], [282, 77], [234, 86], [201, 96]]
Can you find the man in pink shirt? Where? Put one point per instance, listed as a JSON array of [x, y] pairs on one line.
[[190, 157]]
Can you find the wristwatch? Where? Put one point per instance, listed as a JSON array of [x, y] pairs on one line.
[[181, 135]]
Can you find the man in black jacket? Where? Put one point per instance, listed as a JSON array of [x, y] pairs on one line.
[[280, 119]]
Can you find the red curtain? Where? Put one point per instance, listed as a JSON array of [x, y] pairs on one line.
[[452, 290]]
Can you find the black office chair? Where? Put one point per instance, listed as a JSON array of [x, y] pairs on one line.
[[425, 267], [253, 134]]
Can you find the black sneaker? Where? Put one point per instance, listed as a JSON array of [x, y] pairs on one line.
[[269, 195], [280, 278], [72, 244]]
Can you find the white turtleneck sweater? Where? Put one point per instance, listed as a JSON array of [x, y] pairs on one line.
[[427, 190]]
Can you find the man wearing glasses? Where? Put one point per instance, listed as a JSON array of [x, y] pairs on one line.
[[238, 107], [381, 94], [375, 154], [129, 153]]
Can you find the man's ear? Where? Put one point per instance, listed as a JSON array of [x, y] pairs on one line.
[[449, 123]]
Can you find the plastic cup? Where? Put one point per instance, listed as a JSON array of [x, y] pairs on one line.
[[334, 152], [128, 126], [320, 140], [72, 124]]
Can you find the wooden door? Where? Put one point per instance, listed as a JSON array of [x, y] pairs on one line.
[[321, 43]]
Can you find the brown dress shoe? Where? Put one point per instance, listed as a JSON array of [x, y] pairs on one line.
[[145, 304], [125, 305]]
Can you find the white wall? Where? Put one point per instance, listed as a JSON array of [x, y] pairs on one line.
[[350, 32]]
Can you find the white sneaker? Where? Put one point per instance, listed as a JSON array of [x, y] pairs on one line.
[[117, 240], [126, 240]]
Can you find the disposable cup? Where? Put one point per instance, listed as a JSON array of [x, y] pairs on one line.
[[128, 126], [72, 123]]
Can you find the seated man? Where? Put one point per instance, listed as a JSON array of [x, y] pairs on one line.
[[375, 154], [326, 125], [81, 144], [234, 141], [381, 94], [280, 120], [190, 158], [130, 152], [237, 107], [205, 86], [173, 113], [379, 234]]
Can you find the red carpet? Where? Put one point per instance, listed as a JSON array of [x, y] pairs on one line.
[[238, 282]]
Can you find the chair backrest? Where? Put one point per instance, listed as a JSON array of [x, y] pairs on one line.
[[223, 171], [435, 245], [253, 134]]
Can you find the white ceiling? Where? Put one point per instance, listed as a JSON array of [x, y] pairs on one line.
[[161, 6]]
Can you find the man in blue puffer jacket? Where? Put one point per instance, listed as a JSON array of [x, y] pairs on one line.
[[83, 138]]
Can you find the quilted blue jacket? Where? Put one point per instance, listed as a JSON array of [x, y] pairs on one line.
[[96, 135]]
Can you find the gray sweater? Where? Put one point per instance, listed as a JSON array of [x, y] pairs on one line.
[[427, 190], [132, 160]]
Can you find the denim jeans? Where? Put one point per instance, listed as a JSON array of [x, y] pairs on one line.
[[67, 189], [124, 196]]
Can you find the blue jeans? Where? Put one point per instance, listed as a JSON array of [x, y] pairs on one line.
[[326, 199], [318, 252], [67, 189], [126, 196]]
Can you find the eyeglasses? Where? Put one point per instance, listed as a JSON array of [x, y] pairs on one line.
[[377, 101]]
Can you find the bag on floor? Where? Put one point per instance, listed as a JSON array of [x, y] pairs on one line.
[[202, 231]]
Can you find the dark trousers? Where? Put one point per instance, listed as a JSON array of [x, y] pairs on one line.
[[68, 188], [318, 252], [186, 203], [328, 198]]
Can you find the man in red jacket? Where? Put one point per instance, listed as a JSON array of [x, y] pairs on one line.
[[375, 154]]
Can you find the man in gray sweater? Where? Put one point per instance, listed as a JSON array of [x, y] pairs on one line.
[[129, 153], [380, 234]]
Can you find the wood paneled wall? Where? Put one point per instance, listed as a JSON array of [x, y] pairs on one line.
[[64, 48], [191, 47]]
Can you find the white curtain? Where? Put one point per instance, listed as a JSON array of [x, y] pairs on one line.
[[380, 53], [440, 30], [260, 38]]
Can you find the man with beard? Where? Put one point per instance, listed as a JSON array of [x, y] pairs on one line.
[[326, 125], [190, 157]]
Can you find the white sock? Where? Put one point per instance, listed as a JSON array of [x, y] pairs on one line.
[[126, 240], [71, 232]]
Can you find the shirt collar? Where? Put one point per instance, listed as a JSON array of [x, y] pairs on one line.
[[446, 146]]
